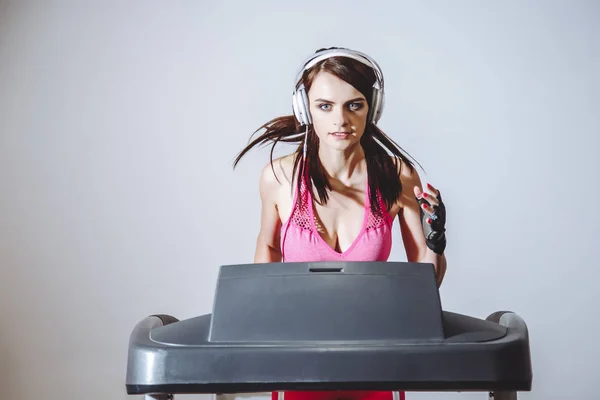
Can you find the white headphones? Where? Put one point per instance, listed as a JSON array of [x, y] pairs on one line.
[[300, 97]]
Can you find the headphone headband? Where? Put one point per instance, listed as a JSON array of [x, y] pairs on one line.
[[300, 97], [313, 59]]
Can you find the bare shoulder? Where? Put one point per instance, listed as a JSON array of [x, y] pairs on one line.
[[409, 178], [277, 173], [275, 184], [276, 178]]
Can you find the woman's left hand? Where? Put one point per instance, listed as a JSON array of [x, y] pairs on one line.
[[433, 217]]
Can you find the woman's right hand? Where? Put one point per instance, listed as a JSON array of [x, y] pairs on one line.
[[433, 217]]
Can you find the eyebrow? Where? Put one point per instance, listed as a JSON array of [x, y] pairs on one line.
[[349, 101]]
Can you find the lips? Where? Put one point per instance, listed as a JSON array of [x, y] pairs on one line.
[[340, 134]]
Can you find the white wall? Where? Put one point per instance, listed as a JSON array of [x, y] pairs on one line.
[[119, 122]]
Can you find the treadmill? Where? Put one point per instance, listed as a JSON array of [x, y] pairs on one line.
[[333, 326]]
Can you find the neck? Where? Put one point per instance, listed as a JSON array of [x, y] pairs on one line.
[[342, 164]]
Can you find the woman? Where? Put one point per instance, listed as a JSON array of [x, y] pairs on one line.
[[336, 197]]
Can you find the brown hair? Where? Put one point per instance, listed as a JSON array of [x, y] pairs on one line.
[[382, 169]]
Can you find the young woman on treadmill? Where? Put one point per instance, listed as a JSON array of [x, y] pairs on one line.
[[335, 198]]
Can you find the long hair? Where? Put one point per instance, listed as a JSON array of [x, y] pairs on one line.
[[382, 169]]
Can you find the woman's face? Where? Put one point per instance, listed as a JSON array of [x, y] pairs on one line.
[[338, 111]]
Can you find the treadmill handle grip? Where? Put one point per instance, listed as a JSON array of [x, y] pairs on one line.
[[511, 320], [141, 331]]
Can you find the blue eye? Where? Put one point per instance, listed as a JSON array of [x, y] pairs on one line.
[[351, 106]]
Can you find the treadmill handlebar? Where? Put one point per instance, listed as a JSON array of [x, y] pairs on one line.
[[511, 320], [141, 347], [141, 332]]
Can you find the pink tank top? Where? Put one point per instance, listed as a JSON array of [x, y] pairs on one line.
[[301, 242]]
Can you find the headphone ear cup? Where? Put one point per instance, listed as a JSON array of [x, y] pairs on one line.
[[304, 106], [300, 106], [378, 103], [295, 108]]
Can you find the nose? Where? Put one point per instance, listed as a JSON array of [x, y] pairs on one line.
[[340, 116]]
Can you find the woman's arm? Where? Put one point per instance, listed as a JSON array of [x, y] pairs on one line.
[[412, 229], [267, 242]]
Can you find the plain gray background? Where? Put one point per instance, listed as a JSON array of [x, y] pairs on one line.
[[119, 121]]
